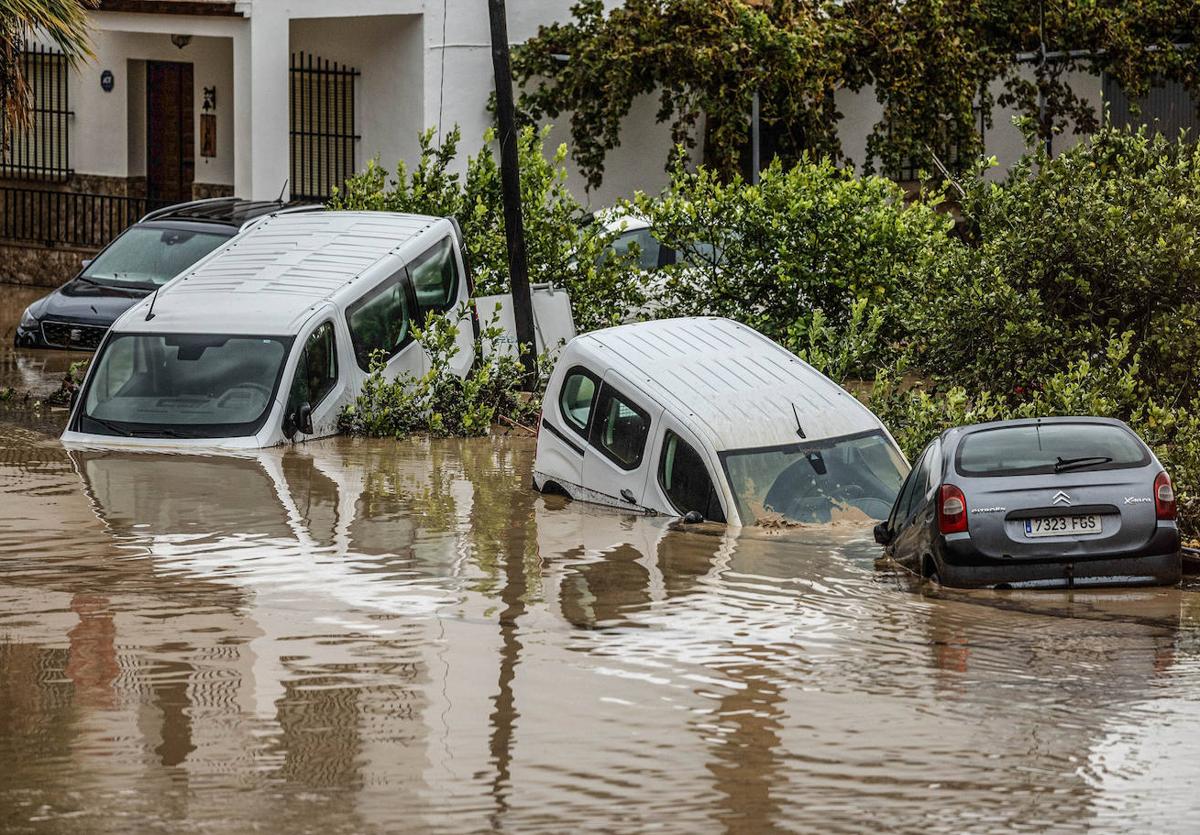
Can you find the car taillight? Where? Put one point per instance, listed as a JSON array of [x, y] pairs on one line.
[[952, 510], [1164, 497]]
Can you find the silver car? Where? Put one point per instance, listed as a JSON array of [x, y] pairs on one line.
[[1047, 502]]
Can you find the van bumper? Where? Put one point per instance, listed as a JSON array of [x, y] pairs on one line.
[[1158, 563]]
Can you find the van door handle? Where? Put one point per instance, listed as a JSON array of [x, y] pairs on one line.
[[628, 496]]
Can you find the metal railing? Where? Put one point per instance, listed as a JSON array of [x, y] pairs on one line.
[[323, 133], [41, 150], [67, 218]]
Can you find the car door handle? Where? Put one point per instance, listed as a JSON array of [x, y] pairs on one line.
[[628, 496]]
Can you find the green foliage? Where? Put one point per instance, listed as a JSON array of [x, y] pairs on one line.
[[70, 384], [64, 22], [811, 256], [929, 63], [438, 402], [561, 248], [1066, 254]]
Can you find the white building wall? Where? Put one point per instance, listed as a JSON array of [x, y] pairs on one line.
[[109, 136]]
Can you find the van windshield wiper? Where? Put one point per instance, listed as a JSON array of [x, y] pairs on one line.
[[1063, 464], [111, 427]]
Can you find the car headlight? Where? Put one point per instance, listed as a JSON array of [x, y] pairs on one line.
[[28, 320]]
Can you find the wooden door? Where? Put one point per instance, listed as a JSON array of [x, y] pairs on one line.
[[170, 133]]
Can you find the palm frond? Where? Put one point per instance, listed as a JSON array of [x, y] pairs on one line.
[[62, 22]]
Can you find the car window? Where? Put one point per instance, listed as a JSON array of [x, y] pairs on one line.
[[619, 429], [685, 479], [1037, 449], [435, 277], [575, 399], [381, 321], [648, 247], [915, 488], [317, 370], [150, 256]]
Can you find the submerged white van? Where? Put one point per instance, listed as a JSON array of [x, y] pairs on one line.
[[268, 337], [708, 418]]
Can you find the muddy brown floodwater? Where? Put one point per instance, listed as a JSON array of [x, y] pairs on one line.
[[359, 636]]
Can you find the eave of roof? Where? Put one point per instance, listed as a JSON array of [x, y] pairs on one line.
[[198, 8]]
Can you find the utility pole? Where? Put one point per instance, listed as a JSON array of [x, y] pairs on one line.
[[510, 187]]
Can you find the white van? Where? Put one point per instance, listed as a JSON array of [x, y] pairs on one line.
[[707, 417], [267, 338]]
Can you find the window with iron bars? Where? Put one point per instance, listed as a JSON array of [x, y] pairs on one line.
[[41, 150], [949, 153], [323, 132]]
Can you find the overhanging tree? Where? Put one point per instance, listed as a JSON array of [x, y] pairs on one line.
[[63, 22], [936, 66]]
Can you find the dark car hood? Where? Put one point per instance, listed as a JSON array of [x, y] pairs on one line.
[[78, 301]]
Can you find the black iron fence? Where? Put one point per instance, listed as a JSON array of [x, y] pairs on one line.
[[67, 218], [323, 133], [41, 149]]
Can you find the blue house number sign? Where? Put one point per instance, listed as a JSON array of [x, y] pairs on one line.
[[106, 81]]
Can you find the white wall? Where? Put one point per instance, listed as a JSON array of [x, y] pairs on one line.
[[101, 139], [387, 50]]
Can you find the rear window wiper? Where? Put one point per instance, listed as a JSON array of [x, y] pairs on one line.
[[1063, 464]]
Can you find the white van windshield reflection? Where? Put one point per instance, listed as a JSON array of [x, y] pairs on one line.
[[183, 385], [851, 478]]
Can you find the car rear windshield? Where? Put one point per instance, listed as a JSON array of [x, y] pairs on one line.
[[150, 256], [1038, 449], [855, 477], [183, 385]]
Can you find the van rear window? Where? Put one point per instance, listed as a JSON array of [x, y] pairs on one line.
[[1038, 449]]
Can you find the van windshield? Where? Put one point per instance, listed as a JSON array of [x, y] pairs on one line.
[[855, 477], [183, 385]]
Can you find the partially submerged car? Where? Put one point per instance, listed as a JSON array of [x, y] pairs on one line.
[[1040, 502], [707, 418], [268, 337], [137, 262]]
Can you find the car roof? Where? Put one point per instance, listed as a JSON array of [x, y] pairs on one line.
[[957, 433], [228, 210], [275, 275], [730, 384]]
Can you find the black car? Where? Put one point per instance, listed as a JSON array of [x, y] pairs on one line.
[[1046, 502], [138, 261]]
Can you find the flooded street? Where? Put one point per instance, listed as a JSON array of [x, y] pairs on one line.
[[355, 636]]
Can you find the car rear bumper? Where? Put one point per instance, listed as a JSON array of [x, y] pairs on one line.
[[1158, 563]]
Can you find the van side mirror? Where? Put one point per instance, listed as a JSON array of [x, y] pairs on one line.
[[85, 263], [883, 534], [693, 517], [298, 421], [304, 419]]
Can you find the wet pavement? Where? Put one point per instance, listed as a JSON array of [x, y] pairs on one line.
[[356, 636]]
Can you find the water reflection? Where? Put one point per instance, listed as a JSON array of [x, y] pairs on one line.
[[361, 636]]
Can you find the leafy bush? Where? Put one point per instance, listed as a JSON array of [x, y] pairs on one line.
[[562, 249], [1067, 253], [439, 403], [798, 253]]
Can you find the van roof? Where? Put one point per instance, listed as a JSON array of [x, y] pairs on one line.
[[725, 380], [272, 277]]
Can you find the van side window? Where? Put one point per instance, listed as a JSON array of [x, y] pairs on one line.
[[576, 398], [317, 370], [619, 429], [380, 321], [435, 277], [920, 486], [685, 480]]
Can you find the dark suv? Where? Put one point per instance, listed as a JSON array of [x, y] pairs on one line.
[[137, 262]]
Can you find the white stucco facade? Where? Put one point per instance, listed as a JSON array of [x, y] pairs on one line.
[[420, 63]]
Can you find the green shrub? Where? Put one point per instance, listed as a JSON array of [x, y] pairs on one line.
[[438, 402], [1066, 253], [562, 249], [794, 254]]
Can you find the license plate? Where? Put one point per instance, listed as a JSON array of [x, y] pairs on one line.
[[1062, 525]]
